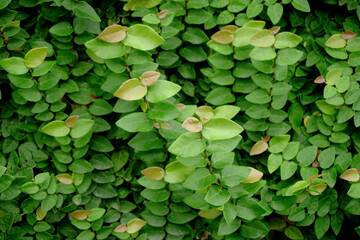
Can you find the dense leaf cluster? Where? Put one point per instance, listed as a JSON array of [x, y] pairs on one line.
[[179, 119]]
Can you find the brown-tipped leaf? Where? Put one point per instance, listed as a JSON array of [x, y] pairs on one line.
[[40, 215], [255, 175], [79, 215], [71, 121], [113, 34], [162, 14], [153, 173], [259, 148], [120, 228], [348, 35], [319, 80], [192, 124], [223, 37], [231, 28], [205, 112], [317, 189], [274, 30], [165, 125], [350, 175], [180, 106], [131, 90], [149, 78], [64, 178]]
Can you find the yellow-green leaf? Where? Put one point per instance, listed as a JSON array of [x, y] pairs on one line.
[[263, 38], [223, 37], [64, 178], [336, 41], [56, 128], [35, 57], [350, 175], [153, 173], [131, 90], [135, 225], [113, 34]]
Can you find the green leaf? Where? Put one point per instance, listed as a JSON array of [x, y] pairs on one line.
[[259, 96], [61, 29], [161, 90], [35, 57], [142, 37], [95, 214], [176, 172], [104, 49], [14, 65], [278, 143], [296, 188], [3, 4], [100, 107], [287, 169], [288, 56], [197, 16], [84, 10], [81, 128], [243, 35], [48, 202], [327, 158], [233, 175], [81, 166], [262, 38], [354, 190], [221, 128], [217, 196], [145, 141], [274, 162], [336, 41], [229, 212], [287, 40], [301, 5], [263, 54], [293, 233], [29, 188], [275, 12], [135, 122], [164, 111], [131, 90], [135, 225], [56, 128], [321, 226], [133, 4], [254, 229], [199, 179], [188, 145]]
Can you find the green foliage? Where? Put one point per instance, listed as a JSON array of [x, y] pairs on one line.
[[179, 119]]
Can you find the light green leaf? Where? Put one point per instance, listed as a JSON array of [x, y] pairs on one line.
[[142, 37], [243, 35], [354, 190], [104, 49], [176, 172], [56, 128], [135, 122], [199, 179], [188, 144], [336, 41], [287, 40], [275, 12], [301, 5], [161, 90], [233, 175], [112, 34], [217, 196], [14, 65], [131, 90], [221, 128], [35, 57], [81, 128], [278, 143], [262, 38], [135, 225]]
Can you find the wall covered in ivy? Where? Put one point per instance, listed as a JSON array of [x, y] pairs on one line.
[[179, 119]]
